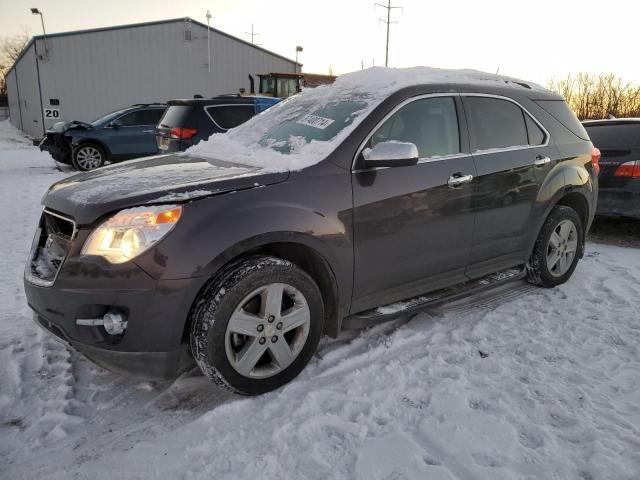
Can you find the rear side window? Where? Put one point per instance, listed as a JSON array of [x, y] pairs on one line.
[[231, 116], [430, 123], [614, 135], [176, 116], [496, 123], [559, 110]]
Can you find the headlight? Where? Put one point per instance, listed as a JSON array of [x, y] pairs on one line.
[[132, 231]]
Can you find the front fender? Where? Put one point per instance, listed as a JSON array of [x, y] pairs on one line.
[[77, 139], [314, 212]]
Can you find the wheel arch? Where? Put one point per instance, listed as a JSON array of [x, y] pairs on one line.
[[292, 247], [81, 141], [569, 196]]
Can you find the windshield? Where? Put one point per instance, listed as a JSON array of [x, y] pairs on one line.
[[307, 123], [108, 117], [297, 132]]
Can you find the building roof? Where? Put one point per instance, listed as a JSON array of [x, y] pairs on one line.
[[143, 24]]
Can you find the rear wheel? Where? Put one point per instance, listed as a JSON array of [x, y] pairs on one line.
[[87, 156], [256, 328], [557, 249]]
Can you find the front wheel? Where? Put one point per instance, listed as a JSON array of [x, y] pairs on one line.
[[557, 249], [87, 157], [255, 328]]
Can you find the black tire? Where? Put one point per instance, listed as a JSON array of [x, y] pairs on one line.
[[79, 165], [217, 302], [538, 272]]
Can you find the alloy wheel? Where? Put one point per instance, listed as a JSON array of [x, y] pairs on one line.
[[89, 158], [267, 330], [562, 248]]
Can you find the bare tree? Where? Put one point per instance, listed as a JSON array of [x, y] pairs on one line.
[[10, 50], [594, 96]]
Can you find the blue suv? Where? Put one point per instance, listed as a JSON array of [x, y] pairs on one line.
[[120, 135]]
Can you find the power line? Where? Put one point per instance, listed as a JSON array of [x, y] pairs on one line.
[[388, 22], [253, 35]]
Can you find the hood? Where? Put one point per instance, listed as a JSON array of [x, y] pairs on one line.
[[160, 179], [61, 127]]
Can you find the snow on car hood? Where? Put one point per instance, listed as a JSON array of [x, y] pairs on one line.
[[250, 143], [159, 179]]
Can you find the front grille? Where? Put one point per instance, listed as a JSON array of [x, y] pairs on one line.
[[50, 247]]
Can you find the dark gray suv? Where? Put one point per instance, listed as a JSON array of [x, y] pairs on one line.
[[413, 186]]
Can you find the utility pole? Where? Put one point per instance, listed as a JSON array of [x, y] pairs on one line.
[[388, 22], [253, 35], [35, 11], [208, 40], [298, 50]]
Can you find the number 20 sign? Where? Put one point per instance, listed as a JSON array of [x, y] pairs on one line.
[[51, 113]]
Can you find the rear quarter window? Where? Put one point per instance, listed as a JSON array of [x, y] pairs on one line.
[[176, 116], [614, 135], [231, 116], [559, 110]]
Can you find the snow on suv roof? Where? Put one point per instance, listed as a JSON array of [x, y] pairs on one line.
[[388, 80], [262, 142]]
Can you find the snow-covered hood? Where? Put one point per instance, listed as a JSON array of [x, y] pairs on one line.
[[160, 179]]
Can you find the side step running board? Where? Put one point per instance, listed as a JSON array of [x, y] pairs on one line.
[[412, 306]]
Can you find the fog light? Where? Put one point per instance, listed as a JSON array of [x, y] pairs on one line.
[[112, 322]]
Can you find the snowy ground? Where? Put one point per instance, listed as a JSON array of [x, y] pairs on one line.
[[529, 384]]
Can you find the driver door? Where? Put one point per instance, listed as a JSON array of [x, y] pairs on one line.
[[412, 224]]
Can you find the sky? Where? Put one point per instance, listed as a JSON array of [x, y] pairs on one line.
[[533, 40]]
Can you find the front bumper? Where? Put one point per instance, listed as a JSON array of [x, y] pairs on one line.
[[57, 146], [138, 365], [620, 202], [152, 347]]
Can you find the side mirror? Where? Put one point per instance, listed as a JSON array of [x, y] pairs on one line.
[[391, 154], [115, 124]]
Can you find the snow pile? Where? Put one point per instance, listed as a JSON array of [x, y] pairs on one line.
[[243, 144], [11, 138]]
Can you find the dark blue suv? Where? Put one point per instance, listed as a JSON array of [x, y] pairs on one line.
[[186, 122], [121, 135]]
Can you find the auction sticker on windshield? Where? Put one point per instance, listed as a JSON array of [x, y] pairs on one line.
[[315, 121]]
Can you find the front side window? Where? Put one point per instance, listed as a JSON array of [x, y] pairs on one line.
[[429, 123], [130, 119], [231, 116], [496, 123]]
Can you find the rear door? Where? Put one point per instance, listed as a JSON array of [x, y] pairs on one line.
[[512, 157], [412, 229]]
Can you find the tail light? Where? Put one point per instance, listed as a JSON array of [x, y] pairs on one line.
[[595, 160], [183, 133], [628, 169]]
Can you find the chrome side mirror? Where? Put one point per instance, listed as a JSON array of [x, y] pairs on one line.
[[391, 154]]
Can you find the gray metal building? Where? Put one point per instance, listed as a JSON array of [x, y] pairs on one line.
[[84, 74]]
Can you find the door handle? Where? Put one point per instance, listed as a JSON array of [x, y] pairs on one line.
[[458, 179], [540, 161], [148, 131]]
